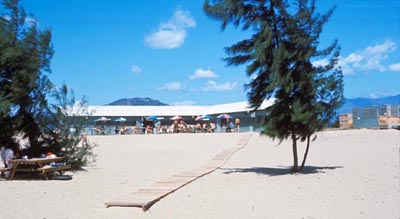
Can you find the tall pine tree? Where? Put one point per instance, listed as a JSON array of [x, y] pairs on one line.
[[279, 58], [25, 54]]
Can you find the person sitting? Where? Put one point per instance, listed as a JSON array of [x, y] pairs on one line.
[[230, 127], [204, 127], [99, 130], [198, 127], [149, 129], [159, 130], [123, 130], [182, 127], [176, 126], [135, 130], [164, 129], [212, 127]]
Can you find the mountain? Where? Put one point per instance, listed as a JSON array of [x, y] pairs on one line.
[[364, 102], [137, 101], [346, 108]]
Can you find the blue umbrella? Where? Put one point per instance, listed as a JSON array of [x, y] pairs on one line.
[[120, 119], [207, 117], [204, 117], [102, 119], [154, 117]]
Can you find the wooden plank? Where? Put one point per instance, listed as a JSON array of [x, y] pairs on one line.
[[125, 204], [146, 197], [153, 189]]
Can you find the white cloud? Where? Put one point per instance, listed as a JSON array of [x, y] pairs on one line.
[[184, 103], [171, 34], [180, 20], [378, 94], [386, 47], [135, 69], [369, 59], [201, 73], [394, 67], [213, 86], [173, 86]]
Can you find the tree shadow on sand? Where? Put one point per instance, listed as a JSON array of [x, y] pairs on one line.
[[278, 171]]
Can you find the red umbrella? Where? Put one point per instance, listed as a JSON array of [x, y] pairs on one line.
[[176, 118], [199, 118], [224, 116]]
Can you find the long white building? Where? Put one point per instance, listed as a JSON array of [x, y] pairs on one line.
[[137, 115]]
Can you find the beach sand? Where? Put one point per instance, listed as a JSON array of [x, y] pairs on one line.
[[349, 174]]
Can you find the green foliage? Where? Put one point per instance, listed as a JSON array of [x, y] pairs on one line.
[[67, 121], [25, 55], [279, 58]]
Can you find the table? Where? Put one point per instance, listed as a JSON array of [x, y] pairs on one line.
[[36, 165]]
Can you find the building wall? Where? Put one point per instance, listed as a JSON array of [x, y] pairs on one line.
[[346, 121], [376, 116], [248, 121]]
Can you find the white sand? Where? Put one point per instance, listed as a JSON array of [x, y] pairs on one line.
[[350, 174]]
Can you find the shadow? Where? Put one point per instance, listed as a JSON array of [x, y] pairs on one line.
[[278, 171], [39, 177]]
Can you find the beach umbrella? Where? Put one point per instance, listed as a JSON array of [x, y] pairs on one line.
[[224, 116], [199, 118], [176, 118], [207, 117], [120, 119], [154, 117], [102, 119]]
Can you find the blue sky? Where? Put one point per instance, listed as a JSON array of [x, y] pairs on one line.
[[171, 51]]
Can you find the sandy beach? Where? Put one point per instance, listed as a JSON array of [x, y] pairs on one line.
[[349, 174]]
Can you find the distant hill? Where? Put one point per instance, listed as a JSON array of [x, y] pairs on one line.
[[137, 101], [346, 108], [363, 102]]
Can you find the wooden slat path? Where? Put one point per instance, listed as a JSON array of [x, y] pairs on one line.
[[145, 197]]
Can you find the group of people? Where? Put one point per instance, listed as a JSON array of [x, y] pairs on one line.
[[177, 126], [121, 130]]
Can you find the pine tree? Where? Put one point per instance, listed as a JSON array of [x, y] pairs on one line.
[[68, 119], [279, 58], [25, 54]]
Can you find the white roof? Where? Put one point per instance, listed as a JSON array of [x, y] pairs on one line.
[[172, 110]]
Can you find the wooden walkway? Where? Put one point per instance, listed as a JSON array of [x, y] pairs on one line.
[[145, 197]]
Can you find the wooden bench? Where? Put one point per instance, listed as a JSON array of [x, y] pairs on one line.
[[41, 165], [3, 170], [48, 169], [44, 170]]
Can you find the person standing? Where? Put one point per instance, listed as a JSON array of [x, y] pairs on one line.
[[84, 139], [9, 155], [237, 124], [2, 156]]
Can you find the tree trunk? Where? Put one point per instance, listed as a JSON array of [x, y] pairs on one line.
[[295, 159], [305, 154]]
